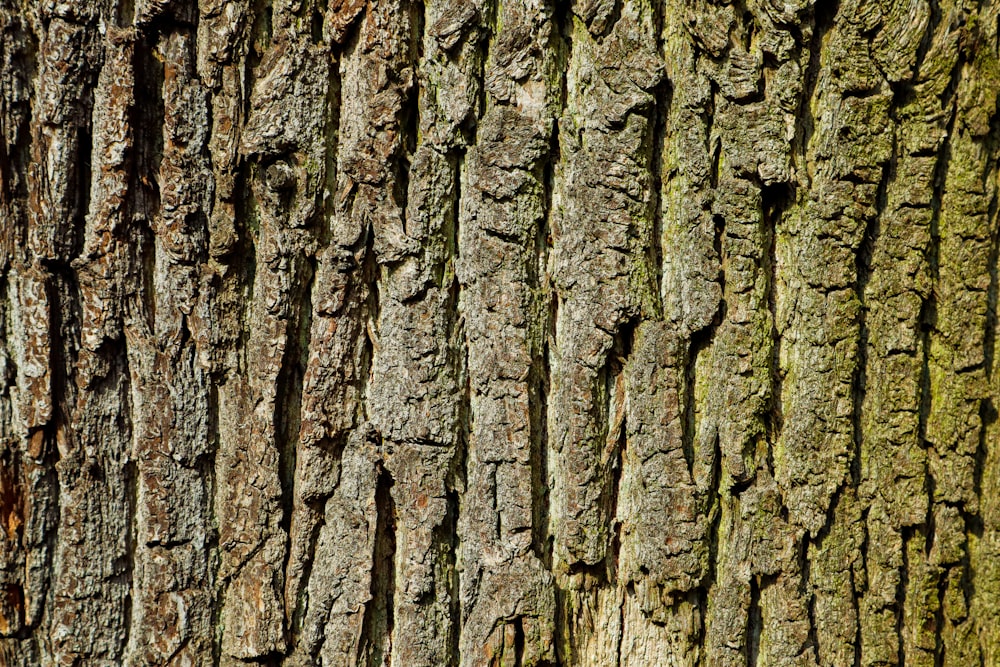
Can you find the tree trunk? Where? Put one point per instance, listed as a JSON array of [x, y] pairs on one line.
[[499, 333]]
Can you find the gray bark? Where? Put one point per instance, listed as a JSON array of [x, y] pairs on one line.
[[499, 332]]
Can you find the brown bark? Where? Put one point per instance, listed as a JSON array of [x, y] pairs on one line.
[[499, 332]]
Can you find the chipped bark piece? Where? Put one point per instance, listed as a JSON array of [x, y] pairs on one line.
[[31, 339], [340, 15], [452, 22]]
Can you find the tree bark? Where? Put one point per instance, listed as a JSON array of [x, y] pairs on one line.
[[499, 332]]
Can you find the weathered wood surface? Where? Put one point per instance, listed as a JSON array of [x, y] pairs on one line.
[[499, 332]]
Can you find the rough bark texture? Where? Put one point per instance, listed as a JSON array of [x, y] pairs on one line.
[[499, 332]]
